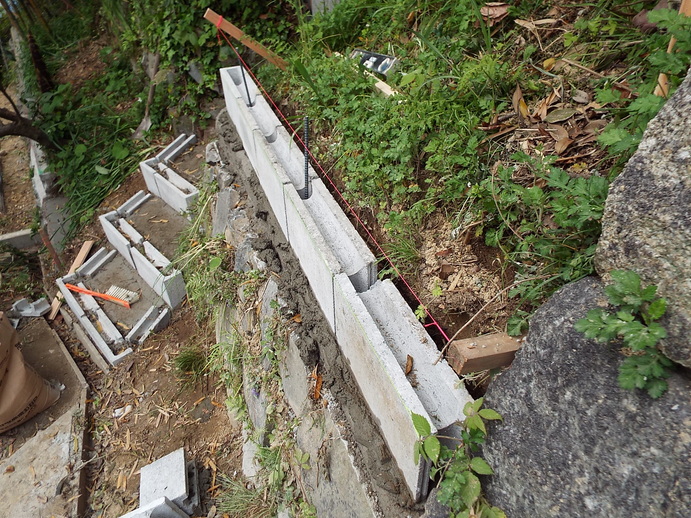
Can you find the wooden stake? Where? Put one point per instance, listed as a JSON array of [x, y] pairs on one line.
[[247, 41], [78, 261], [51, 249], [662, 88], [482, 353]]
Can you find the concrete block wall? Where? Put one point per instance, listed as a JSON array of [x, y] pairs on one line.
[[374, 327]]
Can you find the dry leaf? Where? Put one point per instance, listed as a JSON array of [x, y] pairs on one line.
[[558, 132], [408, 364], [297, 318], [549, 63], [519, 105], [580, 97], [9, 469], [494, 12], [561, 145], [560, 115]]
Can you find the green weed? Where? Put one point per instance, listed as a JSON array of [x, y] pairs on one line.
[[635, 323], [458, 469]]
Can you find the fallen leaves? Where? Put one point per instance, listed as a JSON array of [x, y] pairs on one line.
[[494, 12]]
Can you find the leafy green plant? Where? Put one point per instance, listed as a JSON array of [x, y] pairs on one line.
[[458, 469], [635, 324]]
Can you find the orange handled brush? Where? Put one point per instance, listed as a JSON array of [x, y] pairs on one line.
[[103, 296]]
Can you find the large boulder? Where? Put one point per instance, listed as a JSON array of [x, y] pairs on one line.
[[647, 222], [573, 443]]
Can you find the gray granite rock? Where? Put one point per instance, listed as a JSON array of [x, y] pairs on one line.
[[573, 443], [647, 220]]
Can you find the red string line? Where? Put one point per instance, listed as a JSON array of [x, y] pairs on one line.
[[333, 185]]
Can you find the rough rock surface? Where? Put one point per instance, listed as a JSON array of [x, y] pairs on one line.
[[647, 221], [573, 443]]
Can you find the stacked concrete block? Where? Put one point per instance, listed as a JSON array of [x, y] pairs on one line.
[[342, 274], [164, 182], [173, 478]]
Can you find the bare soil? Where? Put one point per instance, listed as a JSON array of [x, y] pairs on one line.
[[17, 192]]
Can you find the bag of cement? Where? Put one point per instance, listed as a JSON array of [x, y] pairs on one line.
[[23, 392]]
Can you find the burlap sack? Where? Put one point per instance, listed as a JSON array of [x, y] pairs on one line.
[[23, 392]]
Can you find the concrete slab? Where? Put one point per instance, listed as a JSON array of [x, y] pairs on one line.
[[44, 476]]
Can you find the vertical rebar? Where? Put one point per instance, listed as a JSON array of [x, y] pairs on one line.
[[244, 80], [305, 193]]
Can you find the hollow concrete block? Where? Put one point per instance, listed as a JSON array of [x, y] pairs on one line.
[[437, 385], [383, 384], [130, 206], [115, 238], [170, 287], [159, 508]]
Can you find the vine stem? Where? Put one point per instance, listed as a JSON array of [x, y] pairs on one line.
[[479, 312]]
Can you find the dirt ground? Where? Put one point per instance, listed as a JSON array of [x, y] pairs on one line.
[[17, 192]]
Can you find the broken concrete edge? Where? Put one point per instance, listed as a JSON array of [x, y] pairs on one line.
[[161, 508], [21, 239]]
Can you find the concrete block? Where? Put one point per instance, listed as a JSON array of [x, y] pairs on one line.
[[177, 180], [21, 239], [352, 252], [236, 104], [437, 385], [273, 180], [157, 258], [314, 254], [87, 301], [382, 383], [149, 174], [100, 343], [70, 299], [95, 262], [24, 308], [292, 157], [94, 353], [42, 179], [173, 196], [130, 206], [155, 319], [168, 477], [159, 508], [115, 238], [179, 149], [171, 147], [170, 287], [130, 231]]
